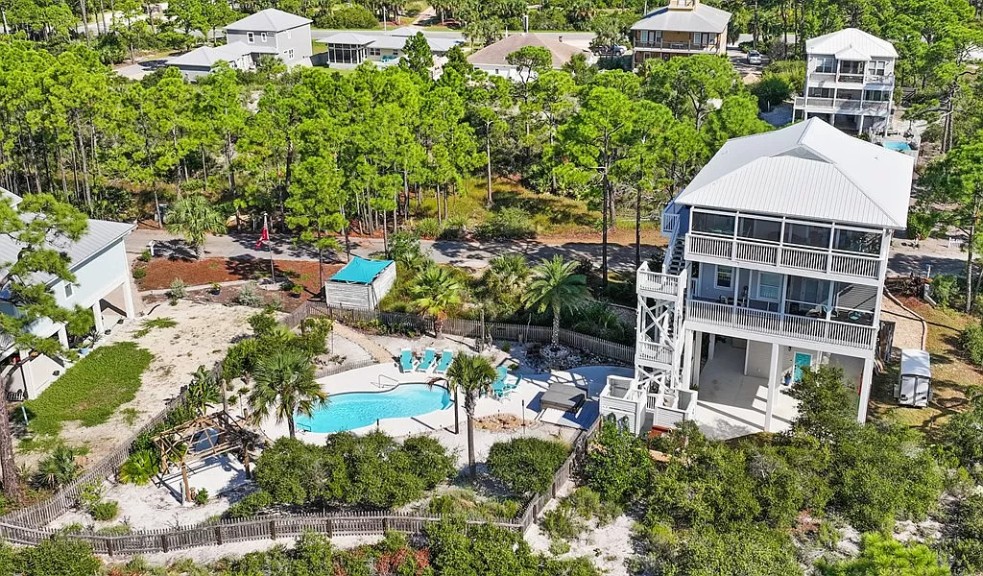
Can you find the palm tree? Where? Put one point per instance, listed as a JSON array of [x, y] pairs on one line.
[[434, 292], [555, 286], [508, 272], [283, 383], [471, 376], [193, 217], [203, 392]]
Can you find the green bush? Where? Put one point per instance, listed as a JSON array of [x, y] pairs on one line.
[[962, 537], [145, 256], [249, 295], [139, 273], [92, 389], [562, 523], [526, 465], [750, 551], [105, 511], [428, 228], [962, 434], [250, 505], [587, 504], [59, 468], [944, 289], [772, 89], [972, 342], [140, 467], [921, 224], [509, 223], [617, 465], [58, 556], [201, 497], [177, 289], [352, 16], [884, 556]]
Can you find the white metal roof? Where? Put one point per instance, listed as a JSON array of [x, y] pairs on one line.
[[700, 18], [916, 363], [269, 20], [348, 38], [209, 56], [851, 44], [808, 170], [101, 234]]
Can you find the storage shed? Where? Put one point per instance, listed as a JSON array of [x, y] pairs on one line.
[[914, 383], [361, 284]]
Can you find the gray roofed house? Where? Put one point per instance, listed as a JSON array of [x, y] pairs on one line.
[[102, 284], [493, 58], [682, 28], [355, 48], [271, 32], [835, 177]]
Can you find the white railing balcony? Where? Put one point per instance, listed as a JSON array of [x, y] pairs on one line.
[[784, 257], [773, 324], [851, 106], [676, 46], [658, 285], [654, 354], [670, 223]]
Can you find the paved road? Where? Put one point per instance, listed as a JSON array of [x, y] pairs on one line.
[[904, 259], [466, 254]]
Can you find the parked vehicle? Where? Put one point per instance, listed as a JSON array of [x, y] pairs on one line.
[[754, 57]]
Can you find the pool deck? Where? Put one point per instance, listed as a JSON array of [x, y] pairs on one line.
[[522, 402]]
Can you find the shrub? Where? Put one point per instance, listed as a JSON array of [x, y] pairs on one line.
[[58, 556], [617, 464], [144, 256], [263, 323], [250, 505], [201, 497], [561, 523], [105, 511], [962, 433], [962, 537], [526, 465], [507, 224], [249, 295], [972, 342], [350, 16], [428, 228], [177, 290], [59, 468], [587, 504], [920, 224], [944, 287], [90, 494], [139, 273], [884, 556], [772, 89], [140, 467], [429, 459]]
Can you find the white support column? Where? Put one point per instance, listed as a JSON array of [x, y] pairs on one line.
[[866, 381], [697, 360], [97, 316], [128, 298], [687, 360], [63, 336], [772, 386], [711, 346]]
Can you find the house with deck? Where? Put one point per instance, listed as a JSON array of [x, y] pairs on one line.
[[849, 81], [381, 48], [683, 28], [270, 32], [102, 284], [777, 255]]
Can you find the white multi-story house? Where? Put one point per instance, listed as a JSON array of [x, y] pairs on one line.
[[777, 255], [849, 81]]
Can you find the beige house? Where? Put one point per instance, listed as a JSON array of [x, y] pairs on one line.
[[493, 59], [683, 28]]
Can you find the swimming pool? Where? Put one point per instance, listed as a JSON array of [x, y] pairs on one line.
[[352, 410], [896, 146]]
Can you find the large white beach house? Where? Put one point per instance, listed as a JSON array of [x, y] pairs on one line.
[[849, 81], [777, 256]]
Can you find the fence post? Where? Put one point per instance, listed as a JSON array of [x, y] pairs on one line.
[[163, 543], [273, 529], [385, 524], [109, 546], [218, 535], [329, 527]]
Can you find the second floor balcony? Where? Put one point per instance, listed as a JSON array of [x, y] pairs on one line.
[[673, 46], [850, 106]]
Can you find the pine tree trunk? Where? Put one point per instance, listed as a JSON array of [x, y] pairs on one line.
[[12, 489], [638, 228], [472, 467], [488, 174]]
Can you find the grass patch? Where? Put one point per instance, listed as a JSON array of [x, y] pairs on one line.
[[91, 390], [152, 323]]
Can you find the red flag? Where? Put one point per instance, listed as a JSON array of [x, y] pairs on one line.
[[264, 236]]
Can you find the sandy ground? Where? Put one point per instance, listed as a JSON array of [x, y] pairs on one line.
[[907, 326], [202, 335], [209, 554], [608, 546]]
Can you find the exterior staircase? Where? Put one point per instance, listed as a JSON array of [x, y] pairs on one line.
[[674, 263]]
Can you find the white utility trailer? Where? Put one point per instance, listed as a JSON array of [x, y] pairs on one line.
[[914, 385]]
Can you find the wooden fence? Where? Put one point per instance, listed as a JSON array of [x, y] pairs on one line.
[[472, 329], [25, 526]]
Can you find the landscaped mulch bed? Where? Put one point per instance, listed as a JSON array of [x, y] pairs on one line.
[[162, 271]]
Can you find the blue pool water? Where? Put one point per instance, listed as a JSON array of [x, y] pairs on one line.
[[897, 146], [356, 409]]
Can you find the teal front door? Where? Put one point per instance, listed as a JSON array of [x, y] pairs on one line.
[[802, 360]]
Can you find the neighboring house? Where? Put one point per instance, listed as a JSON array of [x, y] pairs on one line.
[[493, 58], [269, 32], [353, 48], [777, 255], [849, 81], [683, 28], [102, 284]]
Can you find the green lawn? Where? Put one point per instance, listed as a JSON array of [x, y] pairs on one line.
[[91, 390]]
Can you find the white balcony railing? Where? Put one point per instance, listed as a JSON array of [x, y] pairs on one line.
[[658, 285], [677, 46], [652, 353], [770, 323], [783, 256], [670, 223], [842, 106]]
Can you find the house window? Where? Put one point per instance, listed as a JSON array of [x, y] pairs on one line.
[[878, 67], [375, 52], [806, 235], [725, 277], [820, 92], [769, 286], [713, 223], [69, 290], [250, 37], [877, 95], [703, 39], [262, 37], [826, 65], [854, 67], [290, 53], [769, 230], [858, 241]]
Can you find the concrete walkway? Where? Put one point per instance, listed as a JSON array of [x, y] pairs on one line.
[[379, 353]]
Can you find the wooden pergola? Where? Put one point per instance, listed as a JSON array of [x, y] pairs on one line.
[[201, 438]]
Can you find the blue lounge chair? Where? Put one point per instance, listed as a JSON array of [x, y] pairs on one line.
[[446, 357], [406, 360], [499, 387], [429, 356]]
